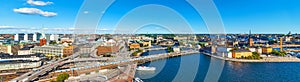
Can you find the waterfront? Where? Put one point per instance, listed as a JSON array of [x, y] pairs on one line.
[[232, 72]]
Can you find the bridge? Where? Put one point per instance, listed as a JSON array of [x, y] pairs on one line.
[[32, 75], [45, 69], [132, 60]]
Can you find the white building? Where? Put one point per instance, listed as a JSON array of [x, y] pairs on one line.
[[26, 37], [252, 49], [24, 52], [224, 51], [10, 66], [176, 49], [16, 37], [54, 37], [34, 37], [48, 50]]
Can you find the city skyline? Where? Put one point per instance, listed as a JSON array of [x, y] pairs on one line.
[[238, 16]]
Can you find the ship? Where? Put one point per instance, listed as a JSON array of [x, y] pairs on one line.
[[138, 80], [144, 68]]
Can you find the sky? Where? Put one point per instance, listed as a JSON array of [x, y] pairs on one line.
[[147, 16]]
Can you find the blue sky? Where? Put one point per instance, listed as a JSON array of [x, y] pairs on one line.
[[239, 16]]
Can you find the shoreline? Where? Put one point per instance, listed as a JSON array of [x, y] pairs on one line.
[[265, 59]]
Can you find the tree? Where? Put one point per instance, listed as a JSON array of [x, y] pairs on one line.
[[278, 53], [170, 49], [62, 77], [52, 42]]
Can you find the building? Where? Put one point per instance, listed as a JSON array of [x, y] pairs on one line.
[[10, 62], [252, 49], [213, 49], [102, 50], [259, 50], [25, 50], [176, 49], [224, 51], [20, 37], [251, 43], [134, 46], [281, 42], [19, 65], [53, 50], [67, 51], [10, 49], [146, 43], [54, 37], [25, 37], [66, 40], [36, 36], [241, 53], [16, 37], [267, 50], [43, 42]]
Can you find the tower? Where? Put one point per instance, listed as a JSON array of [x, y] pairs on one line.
[[281, 41], [250, 40]]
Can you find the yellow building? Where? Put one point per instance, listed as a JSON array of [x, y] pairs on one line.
[[134, 46], [67, 51], [147, 43], [267, 50], [240, 53]]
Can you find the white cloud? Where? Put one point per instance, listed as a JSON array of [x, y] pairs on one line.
[[6, 26], [103, 29], [85, 12], [35, 11], [38, 3]]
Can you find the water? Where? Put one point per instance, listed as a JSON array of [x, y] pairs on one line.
[[232, 71]]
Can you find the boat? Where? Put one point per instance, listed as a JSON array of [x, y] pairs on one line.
[[138, 80], [144, 68]]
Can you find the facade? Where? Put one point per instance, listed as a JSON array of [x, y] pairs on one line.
[[66, 40], [252, 49], [51, 51], [134, 46], [23, 52], [267, 50], [241, 53], [251, 43], [259, 50], [43, 42], [147, 43], [68, 50], [25, 37], [16, 37], [36, 36], [177, 50], [11, 66], [10, 49], [54, 37], [101, 50], [20, 61], [20, 37]]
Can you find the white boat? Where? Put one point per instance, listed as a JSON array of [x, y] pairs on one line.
[[138, 80], [144, 68]]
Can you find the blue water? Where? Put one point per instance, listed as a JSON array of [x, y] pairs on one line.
[[167, 70]]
